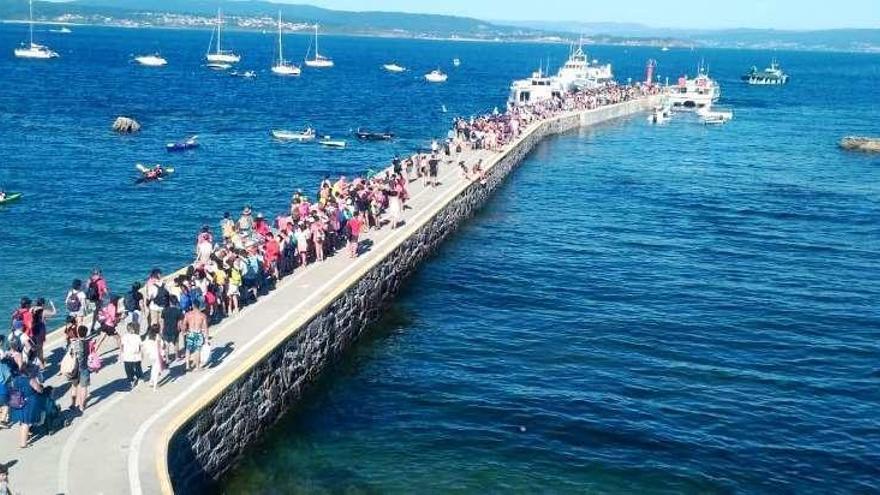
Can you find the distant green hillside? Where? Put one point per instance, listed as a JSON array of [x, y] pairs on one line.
[[379, 22]]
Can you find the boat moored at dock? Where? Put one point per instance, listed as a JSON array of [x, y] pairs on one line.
[[534, 89], [579, 73], [699, 92]]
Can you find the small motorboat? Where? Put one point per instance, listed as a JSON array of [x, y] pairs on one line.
[[248, 74], [394, 68], [218, 65], [373, 136], [660, 115], [307, 134], [152, 174], [332, 143], [154, 60], [9, 197], [436, 76], [63, 30], [716, 116], [189, 144], [456, 62]]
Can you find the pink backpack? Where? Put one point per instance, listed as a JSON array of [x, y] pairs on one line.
[[94, 360]]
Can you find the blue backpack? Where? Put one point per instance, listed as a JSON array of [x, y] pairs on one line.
[[185, 301]]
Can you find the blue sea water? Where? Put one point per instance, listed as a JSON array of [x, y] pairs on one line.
[[639, 309]]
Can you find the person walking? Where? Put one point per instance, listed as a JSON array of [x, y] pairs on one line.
[[75, 302], [26, 402], [355, 225], [38, 329], [80, 382], [109, 319], [196, 327], [170, 329], [5, 488], [155, 355], [132, 355]]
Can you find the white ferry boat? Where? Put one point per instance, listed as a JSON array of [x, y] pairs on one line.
[[578, 73], [771, 76], [699, 92], [536, 88]]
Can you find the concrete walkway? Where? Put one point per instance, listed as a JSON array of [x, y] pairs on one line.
[[112, 448]]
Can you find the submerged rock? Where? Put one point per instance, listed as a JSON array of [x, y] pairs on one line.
[[126, 125], [871, 145]]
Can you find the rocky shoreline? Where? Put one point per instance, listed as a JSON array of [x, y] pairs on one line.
[[866, 144]]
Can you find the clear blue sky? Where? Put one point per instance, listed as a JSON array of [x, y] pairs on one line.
[[780, 14]]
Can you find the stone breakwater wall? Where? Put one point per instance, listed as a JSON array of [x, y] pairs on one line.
[[210, 442]]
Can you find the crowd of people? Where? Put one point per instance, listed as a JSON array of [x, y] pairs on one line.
[[166, 320]]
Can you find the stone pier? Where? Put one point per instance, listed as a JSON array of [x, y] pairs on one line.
[[194, 428]]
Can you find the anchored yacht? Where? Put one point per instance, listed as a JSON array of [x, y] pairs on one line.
[[699, 92], [33, 50], [154, 60], [771, 76], [436, 76], [283, 67], [219, 55], [319, 61]]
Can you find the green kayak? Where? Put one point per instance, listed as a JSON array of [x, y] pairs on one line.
[[10, 197]]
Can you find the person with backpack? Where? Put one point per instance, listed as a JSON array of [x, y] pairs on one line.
[[22, 317], [133, 303], [96, 291], [75, 302], [26, 402], [157, 297], [6, 365], [81, 379]]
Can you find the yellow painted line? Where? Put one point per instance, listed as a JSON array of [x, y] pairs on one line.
[[272, 343]]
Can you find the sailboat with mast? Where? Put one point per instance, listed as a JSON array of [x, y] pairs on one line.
[[283, 67], [319, 61], [219, 55], [33, 50]]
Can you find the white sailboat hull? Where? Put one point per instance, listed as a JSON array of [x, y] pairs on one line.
[[320, 64], [394, 68], [37, 52], [223, 58], [218, 66], [286, 70]]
